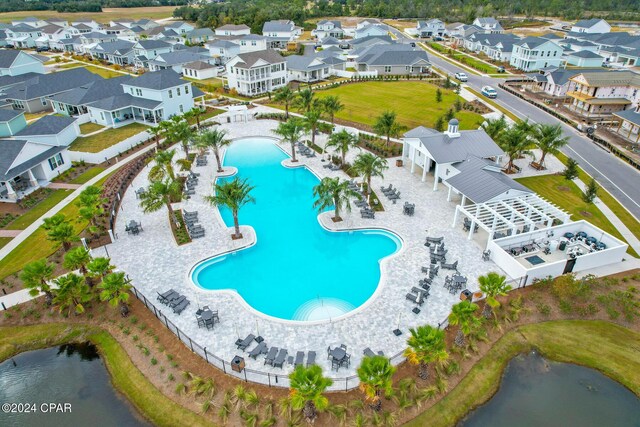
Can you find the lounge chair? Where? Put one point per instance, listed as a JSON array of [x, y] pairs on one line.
[[271, 355], [176, 301], [368, 352], [453, 266], [180, 307], [413, 298], [164, 297], [299, 358], [258, 350], [311, 358], [278, 362], [243, 344]]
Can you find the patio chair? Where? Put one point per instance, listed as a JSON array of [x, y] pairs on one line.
[[280, 358], [271, 355], [311, 358], [258, 350], [180, 307], [346, 361], [299, 358], [335, 364], [453, 266], [486, 255], [243, 344]]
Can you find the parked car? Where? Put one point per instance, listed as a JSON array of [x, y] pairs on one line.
[[221, 69], [489, 92], [43, 49], [462, 77], [438, 39], [501, 69]]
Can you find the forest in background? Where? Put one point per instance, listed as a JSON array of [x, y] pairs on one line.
[[81, 5]]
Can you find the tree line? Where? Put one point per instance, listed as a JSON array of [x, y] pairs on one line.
[[81, 5]]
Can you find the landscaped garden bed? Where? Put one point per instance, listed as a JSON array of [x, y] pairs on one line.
[[179, 228]]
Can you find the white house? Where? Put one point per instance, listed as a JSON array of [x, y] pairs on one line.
[[177, 59], [489, 25], [371, 30], [591, 26], [250, 43], [199, 70], [180, 27], [22, 36], [430, 28], [282, 28], [222, 50], [584, 59], [31, 21], [16, 62], [307, 68], [119, 52], [145, 50], [256, 73], [327, 28], [233, 30], [534, 53], [51, 130]]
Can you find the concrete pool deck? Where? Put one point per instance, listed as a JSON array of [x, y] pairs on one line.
[[155, 264]]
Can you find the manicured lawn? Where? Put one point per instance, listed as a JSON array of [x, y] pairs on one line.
[[86, 176], [38, 210], [4, 241], [32, 116], [611, 349], [71, 65], [413, 101], [567, 196], [89, 128], [102, 140], [107, 74], [125, 376], [107, 14], [495, 105]]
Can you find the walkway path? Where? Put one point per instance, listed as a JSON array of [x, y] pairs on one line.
[[9, 233], [63, 186]]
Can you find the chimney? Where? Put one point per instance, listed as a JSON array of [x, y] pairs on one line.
[[452, 130]]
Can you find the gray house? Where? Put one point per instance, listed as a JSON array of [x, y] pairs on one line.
[[395, 59]]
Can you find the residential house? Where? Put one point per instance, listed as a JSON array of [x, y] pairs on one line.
[[578, 45], [145, 50], [601, 94], [47, 35], [199, 70], [56, 40], [279, 33], [256, 73], [453, 29], [74, 102], [145, 24], [496, 46], [489, 25], [463, 33], [87, 23], [199, 35], [307, 68], [628, 124], [328, 42], [121, 32], [251, 43], [22, 36], [233, 30], [534, 53], [119, 52], [177, 59], [222, 50], [51, 130], [366, 23], [90, 40], [84, 28], [11, 122], [431, 28], [371, 30], [32, 95], [370, 41], [31, 21], [395, 59], [16, 62], [180, 27], [584, 59], [327, 28], [591, 26]]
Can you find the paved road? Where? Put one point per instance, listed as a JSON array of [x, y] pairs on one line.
[[619, 178]]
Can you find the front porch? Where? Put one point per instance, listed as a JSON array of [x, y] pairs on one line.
[[16, 189], [130, 115]]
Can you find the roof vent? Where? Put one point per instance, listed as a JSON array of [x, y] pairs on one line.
[[452, 130]]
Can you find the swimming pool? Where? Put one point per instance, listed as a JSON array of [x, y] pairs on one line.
[[297, 270]]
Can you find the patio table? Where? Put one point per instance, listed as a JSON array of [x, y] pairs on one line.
[[338, 353], [459, 279]]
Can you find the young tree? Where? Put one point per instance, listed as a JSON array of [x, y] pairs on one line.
[[36, 276], [331, 192], [234, 195], [156, 132], [548, 139], [90, 202], [60, 230], [463, 315], [307, 388], [332, 106], [591, 191], [439, 125], [285, 96], [195, 113], [312, 120], [77, 259], [438, 95], [214, 139], [115, 290], [72, 293], [493, 285], [159, 195], [376, 377], [447, 82], [495, 127], [163, 167], [291, 132], [305, 101], [426, 345], [368, 165], [99, 267], [515, 143], [571, 171], [387, 125], [342, 142]]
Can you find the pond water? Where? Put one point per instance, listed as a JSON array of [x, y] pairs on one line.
[[537, 392], [71, 374]]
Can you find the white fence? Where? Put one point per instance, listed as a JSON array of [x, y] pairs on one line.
[[342, 73], [110, 152]]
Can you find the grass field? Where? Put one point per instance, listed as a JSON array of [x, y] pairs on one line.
[[38, 210], [612, 350], [107, 14], [567, 196], [89, 128], [89, 174], [4, 241], [33, 116], [413, 101], [107, 74], [102, 140]]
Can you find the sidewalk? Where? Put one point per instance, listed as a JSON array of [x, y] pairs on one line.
[[619, 225]]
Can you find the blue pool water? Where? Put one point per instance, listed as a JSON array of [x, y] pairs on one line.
[[297, 270]]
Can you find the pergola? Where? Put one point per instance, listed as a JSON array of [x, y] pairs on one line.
[[511, 215]]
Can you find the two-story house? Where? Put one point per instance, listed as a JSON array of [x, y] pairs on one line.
[[89, 40], [222, 50], [431, 28], [233, 30], [327, 28], [535, 53], [591, 26], [489, 25], [279, 33], [17, 62], [22, 36], [199, 35], [180, 27], [601, 94], [146, 50], [256, 73], [251, 43]]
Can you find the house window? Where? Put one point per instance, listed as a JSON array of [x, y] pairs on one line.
[[138, 92], [170, 93], [44, 101], [181, 108], [253, 43], [186, 88], [56, 161], [102, 115], [387, 69], [178, 91]]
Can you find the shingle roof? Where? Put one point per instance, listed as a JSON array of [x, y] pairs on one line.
[[8, 56], [158, 80], [394, 54], [629, 115], [94, 91], [10, 149], [221, 43], [177, 58], [336, 24], [47, 125], [446, 149], [199, 32], [587, 23], [124, 100], [198, 65], [329, 41], [153, 44], [531, 42], [49, 84], [247, 60], [120, 47], [8, 115], [281, 25], [231, 27], [586, 54], [420, 131], [303, 63]]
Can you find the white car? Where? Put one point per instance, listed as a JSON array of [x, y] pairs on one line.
[[489, 92], [462, 77]]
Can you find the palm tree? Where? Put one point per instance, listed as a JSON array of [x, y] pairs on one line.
[[156, 132], [342, 142], [180, 131], [163, 167], [159, 194], [495, 127], [77, 259], [285, 96], [234, 195], [199, 386], [307, 388], [548, 138], [386, 125], [60, 230], [214, 139], [291, 132], [72, 293], [115, 290], [462, 314], [493, 285], [375, 374], [90, 202], [305, 100], [368, 165], [515, 142], [333, 192], [195, 113], [312, 119], [100, 267], [332, 106], [36, 276], [426, 345]]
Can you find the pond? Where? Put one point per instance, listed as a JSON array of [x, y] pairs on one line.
[[538, 392], [72, 374]]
